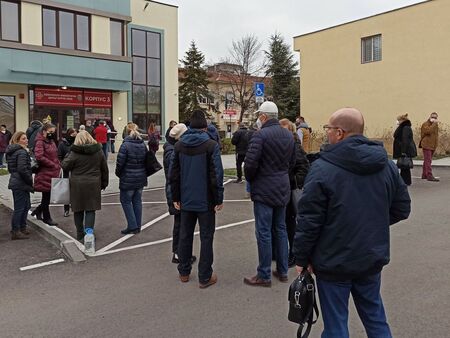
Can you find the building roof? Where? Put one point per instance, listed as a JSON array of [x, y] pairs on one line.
[[162, 3], [365, 18]]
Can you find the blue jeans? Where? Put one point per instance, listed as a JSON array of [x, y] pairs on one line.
[[131, 201], [267, 217], [105, 149], [367, 298], [22, 205]]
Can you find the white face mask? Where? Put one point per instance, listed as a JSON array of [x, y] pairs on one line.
[[397, 122], [432, 120], [259, 123]]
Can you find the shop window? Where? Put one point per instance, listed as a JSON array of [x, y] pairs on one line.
[[65, 29], [146, 49], [10, 21], [116, 33], [8, 112], [371, 49]]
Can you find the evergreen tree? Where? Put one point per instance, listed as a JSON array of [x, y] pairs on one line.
[[283, 69], [194, 82]]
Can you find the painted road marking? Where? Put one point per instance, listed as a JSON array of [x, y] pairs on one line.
[[165, 240], [40, 265]]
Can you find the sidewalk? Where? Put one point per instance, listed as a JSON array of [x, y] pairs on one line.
[[155, 181]]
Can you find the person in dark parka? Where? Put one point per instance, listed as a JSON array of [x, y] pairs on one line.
[[270, 154], [352, 194], [88, 177], [20, 182], [404, 145], [240, 141], [46, 153], [63, 151], [131, 170]]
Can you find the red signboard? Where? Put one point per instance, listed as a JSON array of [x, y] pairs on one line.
[[72, 98], [230, 112], [58, 97], [97, 99]]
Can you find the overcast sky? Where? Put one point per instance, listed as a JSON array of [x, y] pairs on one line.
[[213, 24]]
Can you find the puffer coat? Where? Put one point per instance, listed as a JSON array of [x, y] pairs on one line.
[[19, 166], [88, 176], [130, 166], [46, 154], [404, 141]]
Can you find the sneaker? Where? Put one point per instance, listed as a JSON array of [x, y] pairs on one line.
[[281, 278], [212, 281], [256, 281]]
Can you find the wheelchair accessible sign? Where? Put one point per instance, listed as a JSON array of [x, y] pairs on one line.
[[259, 92]]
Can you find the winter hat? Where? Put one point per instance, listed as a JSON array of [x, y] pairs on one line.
[[198, 120], [177, 131]]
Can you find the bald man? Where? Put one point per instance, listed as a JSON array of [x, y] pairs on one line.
[[352, 194]]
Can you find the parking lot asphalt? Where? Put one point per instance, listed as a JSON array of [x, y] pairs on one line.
[[133, 289]]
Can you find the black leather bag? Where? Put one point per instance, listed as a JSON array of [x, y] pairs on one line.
[[405, 162], [151, 163], [302, 303]]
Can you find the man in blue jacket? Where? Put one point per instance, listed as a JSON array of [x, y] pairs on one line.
[[351, 196], [270, 154], [196, 181]]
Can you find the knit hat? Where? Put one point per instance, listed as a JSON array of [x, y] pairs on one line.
[[177, 131], [198, 120]]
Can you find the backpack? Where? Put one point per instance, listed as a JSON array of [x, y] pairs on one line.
[[302, 303]]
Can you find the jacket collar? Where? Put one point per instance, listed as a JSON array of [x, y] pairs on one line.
[[270, 123]]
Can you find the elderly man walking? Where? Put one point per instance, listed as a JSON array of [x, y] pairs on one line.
[[429, 142], [351, 196], [271, 152]]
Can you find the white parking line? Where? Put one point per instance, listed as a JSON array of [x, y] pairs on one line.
[[165, 240], [126, 237], [40, 265]]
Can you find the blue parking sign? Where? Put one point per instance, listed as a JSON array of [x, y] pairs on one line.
[[259, 89]]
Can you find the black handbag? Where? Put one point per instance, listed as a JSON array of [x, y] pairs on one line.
[[302, 303], [405, 162], [151, 163]]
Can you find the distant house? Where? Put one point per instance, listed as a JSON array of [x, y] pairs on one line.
[[385, 65]]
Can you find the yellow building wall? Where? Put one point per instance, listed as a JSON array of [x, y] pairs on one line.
[[120, 113], [164, 18], [100, 35], [31, 26], [413, 76], [22, 110]]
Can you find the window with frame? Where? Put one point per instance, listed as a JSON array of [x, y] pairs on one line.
[[116, 37], [64, 29], [371, 49], [10, 20], [8, 112], [146, 53]]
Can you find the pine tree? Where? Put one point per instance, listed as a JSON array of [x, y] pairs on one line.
[[283, 70], [194, 82]]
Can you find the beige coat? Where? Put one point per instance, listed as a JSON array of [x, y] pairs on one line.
[[429, 135]]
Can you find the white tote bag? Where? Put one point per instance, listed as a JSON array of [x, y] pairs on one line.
[[60, 193]]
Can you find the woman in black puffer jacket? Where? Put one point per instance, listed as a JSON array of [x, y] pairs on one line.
[[130, 168], [404, 145], [20, 182]]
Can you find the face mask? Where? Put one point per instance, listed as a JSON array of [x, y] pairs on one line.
[[4, 131], [50, 136], [259, 123], [397, 122], [432, 120], [70, 139]]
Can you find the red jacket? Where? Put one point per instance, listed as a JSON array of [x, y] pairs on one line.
[[101, 134], [46, 154]]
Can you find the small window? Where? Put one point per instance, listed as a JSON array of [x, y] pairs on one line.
[[371, 49], [49, 27], [83, 32], [66, 30], [10, 21], [116, 33]]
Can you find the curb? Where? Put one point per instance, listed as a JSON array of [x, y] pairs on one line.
[[63, 242]]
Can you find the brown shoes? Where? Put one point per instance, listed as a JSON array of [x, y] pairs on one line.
[[184, 279], [212, 281], [256, 281], [281, 278], [433, 179], [17, 235]]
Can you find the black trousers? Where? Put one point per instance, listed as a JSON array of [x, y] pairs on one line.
[[176, 232], [44, 207], [83, 219], [240, 158], [207, 223], [406, 175]]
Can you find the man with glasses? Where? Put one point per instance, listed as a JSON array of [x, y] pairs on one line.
[[351, 196], [270, 154]]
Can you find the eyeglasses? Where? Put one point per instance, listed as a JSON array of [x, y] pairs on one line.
[[328, 127]]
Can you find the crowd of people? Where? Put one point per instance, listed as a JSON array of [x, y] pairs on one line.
[[330, 216]]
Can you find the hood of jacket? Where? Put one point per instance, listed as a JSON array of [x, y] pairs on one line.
[[36, 124], [12, 148], [194, 137], [130, 139], [87, 149], [356, 154]]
